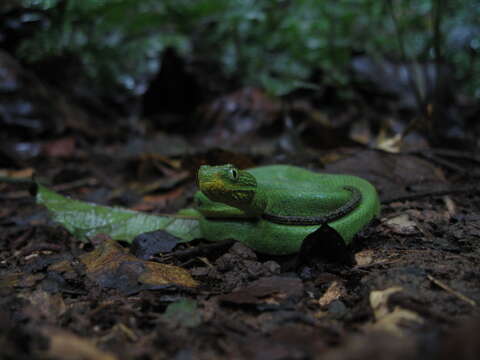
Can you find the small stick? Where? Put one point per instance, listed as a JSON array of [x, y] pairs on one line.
[[464, 155], [373, 264], [445, 163], [419, 195], [451, 291]]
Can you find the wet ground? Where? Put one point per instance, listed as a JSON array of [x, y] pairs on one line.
[[407, 287]]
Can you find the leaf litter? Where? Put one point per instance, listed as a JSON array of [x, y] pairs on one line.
[[263, 307]]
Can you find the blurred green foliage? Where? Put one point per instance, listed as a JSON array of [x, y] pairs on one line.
[[276, 44]]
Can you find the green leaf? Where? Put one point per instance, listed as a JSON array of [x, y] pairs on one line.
[[183, 313], [85, 220]]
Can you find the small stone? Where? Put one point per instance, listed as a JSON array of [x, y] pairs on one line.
[[243, 251], [337, 309], [271, 267]]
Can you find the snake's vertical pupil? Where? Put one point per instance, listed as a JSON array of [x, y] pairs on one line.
[[234, 173]]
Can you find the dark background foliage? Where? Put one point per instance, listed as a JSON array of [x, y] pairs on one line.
[[118, 102]]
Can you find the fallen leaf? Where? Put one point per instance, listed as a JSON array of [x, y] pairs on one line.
[[450, 205], [389, 144], [402, 225], [85, 220], [49, 306], [379, 300], [390, 320], [67, 346], [334, 292], [387, 171], [18, 174], [364, 257], [112, 266]]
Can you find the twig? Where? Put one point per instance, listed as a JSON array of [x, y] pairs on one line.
[[451, 291], [445, 163], [465, 155], [434, 155], [373, 264], [420, 195]]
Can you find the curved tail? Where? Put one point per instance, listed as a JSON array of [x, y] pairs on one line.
[[365, 212]]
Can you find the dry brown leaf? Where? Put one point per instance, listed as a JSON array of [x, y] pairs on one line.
[[450, 205], [364, 257], [110, 265], [389, 144], [51, 306], [388, 320], [402, 225], [334, 292], [109, 256], [18, 174], [67, 346]]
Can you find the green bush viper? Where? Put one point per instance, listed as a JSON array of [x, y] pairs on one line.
[[273, 208]]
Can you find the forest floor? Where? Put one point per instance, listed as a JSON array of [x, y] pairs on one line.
[[407, 288]]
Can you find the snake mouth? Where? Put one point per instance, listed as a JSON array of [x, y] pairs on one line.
[[212, 189], [207, 186]]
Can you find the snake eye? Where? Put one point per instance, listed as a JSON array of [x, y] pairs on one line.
[[234, 174]]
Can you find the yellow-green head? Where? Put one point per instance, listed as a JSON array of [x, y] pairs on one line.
[[229, 185]]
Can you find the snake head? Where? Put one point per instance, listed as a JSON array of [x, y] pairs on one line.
[[227, 184]]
